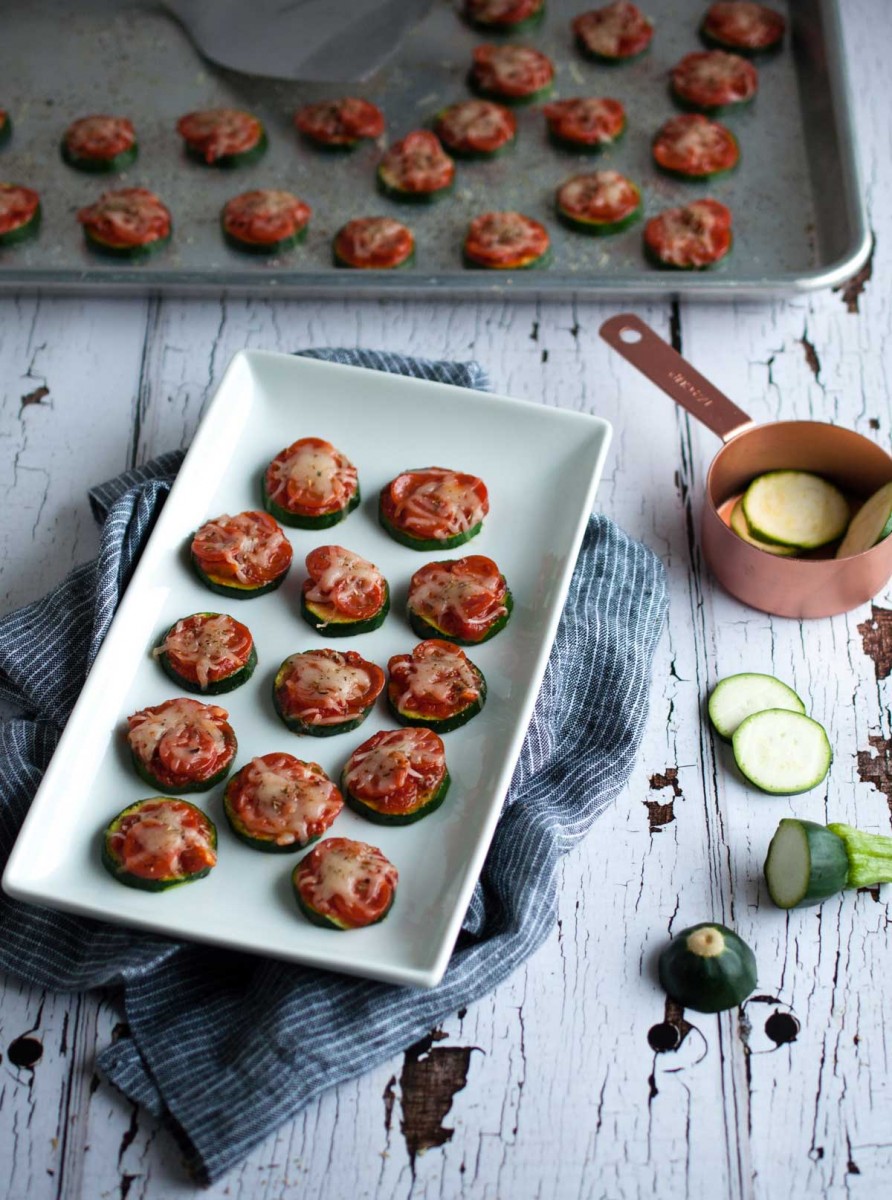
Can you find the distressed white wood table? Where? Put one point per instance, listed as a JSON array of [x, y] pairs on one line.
[[575, 1078]]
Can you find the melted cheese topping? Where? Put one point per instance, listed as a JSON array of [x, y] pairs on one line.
[[293, 802], [609, 189], [181, 724], [159, 835], [441, 677], [448, 498], [242, 541], [324, 687], [314, 468], [439, 591], [346, 574], [356, 877], [604, 29], [387, 763]]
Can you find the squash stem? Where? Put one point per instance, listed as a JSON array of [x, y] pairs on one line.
[[869, 854]]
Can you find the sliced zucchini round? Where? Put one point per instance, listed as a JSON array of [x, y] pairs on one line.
[[795, 508], [871, 524], [737, 697], [742, 529], [806, 863], [708, 967], [782, 752]]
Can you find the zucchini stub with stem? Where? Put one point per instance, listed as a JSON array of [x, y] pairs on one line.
[[782, 752], [808, 862], [737, 697], [708, 967], [397, 777]]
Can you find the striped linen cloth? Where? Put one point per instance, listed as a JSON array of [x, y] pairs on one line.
[[226, 1046]]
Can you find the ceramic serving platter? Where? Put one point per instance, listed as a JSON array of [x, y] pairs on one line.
[[542, 467]]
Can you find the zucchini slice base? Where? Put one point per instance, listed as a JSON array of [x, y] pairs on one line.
[[737, 697], [782, 752]]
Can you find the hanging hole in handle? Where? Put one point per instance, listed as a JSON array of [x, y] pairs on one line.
[[630, 335]]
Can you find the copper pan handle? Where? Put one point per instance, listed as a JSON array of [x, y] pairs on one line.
[[646, 351]]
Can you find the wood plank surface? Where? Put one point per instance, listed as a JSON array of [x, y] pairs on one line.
[[575, 1078]]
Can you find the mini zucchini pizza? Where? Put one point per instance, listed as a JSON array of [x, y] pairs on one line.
[[324, 692], [613, 34], [310, 485], [127, 223], [599, 203], [586, 123], [222, 137], [464, 600], [242, 556], [207, 652], [100, 144], [5, 126], [344, 594], [265, 221], [511, 74], [504, 16], [743, 27], [343, 884], [506, 241], [279, 804], [416, 169], [690, 238], [433, 508], [692, 146], [436, 686], [374, 243], [19, 213], [182, 745], [339, 124], [712, 81], [476, 128], [397, 777], [158, 843]]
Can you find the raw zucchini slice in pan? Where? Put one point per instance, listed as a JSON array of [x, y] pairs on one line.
[[870, 524], [795, 508]]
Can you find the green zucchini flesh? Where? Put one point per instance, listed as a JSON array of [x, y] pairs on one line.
[[871, 524], [782, 752], [708, 967], [426, 629], [427, 803], [232, 589], [326, 620], [806, 863], [795, 508], [737, 697]]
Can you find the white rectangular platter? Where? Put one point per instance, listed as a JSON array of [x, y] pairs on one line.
[[542, 467]]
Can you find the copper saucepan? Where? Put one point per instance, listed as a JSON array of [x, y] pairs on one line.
[[787, 587]]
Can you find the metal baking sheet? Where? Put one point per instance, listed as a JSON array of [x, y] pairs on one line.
[[798, 211]]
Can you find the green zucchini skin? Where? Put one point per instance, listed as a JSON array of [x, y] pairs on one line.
[[217, 688], [424, 629], [204, 786], [408, 261], [655, 260], [823, 855], [131, 253], [340, 628], [406, 197], [113, 865], [510, 101], [428, 803], [297, 521], [316, 918], [23, 232], [544, 260], [426, 544], [446, 724], [261, 248], [228, 162], [707, 983], [234, 591], [599, 228], [100, 166]]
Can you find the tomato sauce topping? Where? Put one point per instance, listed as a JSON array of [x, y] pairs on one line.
[[741, 25], [128, 217], [327, 687], [350, 882], [417, 163], [434, 503], [476, 127], [207, 647], [265, 216], [248, 549], [692, 144], [436, 681], [340, 122], [18, 206], [182, 742], [374, 242], [618, 30], [602, 197], [163, 839], [310, 478], [502, 240], [513, 72], [502, 14], [586, 121], [712, 78], [279, 798], [343, 584], [697, 235], [397, 769], [100, 138], [463, 597], [218, 133]]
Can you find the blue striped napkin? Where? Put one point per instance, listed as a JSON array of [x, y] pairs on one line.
[[225, 1046]]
